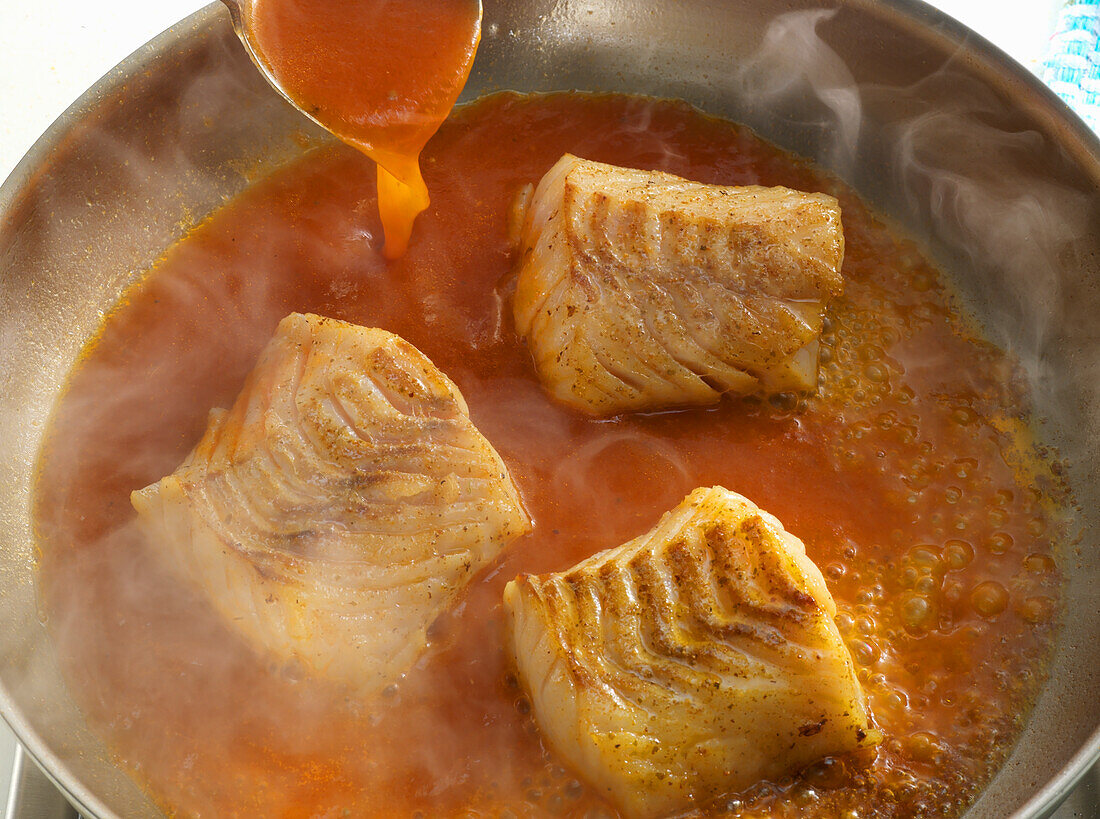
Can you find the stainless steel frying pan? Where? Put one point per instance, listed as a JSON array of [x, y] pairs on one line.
[[928, 121]]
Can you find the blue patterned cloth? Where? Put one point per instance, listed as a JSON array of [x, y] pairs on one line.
[[1072, 64]]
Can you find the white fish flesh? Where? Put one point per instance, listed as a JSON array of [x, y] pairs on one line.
[[691, 662], [640, 290], [340, 505]]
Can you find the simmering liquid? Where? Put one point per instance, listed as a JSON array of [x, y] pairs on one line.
[[381, 75], [908, 475]]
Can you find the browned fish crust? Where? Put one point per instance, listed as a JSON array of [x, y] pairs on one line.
[[642, 290], [690, 662]]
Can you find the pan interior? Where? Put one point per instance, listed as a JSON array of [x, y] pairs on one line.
[[932, 127]]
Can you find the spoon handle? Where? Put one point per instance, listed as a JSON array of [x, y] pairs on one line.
[[236, 15]]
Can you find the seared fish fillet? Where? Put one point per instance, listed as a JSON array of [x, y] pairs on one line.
[[690, 662], [340, 505], [641, 290]]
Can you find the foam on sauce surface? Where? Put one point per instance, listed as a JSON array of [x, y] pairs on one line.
[[908, 476], [379, 74]]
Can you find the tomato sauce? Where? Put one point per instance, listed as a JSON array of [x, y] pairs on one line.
[[909, 476], [381, 75]]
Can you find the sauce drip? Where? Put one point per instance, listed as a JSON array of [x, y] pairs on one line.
[[380, 74], [909, 477]]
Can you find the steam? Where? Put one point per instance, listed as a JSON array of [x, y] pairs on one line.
[[573, 473], [75, 250], [1012, 233], [954, 166], [794, 64]]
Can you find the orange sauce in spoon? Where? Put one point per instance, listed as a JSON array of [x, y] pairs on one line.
[[380, 74]]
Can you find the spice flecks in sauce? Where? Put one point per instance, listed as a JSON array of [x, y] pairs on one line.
[[381, 75], [902, 476]]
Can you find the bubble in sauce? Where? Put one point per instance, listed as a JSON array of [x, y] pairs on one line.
[[917, 613], [989, 598], [1039, 563], [1036, 609], [958, 554]]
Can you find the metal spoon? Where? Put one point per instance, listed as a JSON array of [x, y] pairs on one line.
[[240, 12]]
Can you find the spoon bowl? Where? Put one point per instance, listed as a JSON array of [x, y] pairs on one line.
[[380, 76], [240, 13]]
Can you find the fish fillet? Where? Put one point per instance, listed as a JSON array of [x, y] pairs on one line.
[[691, 662], [641, 290], [340, 505]]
